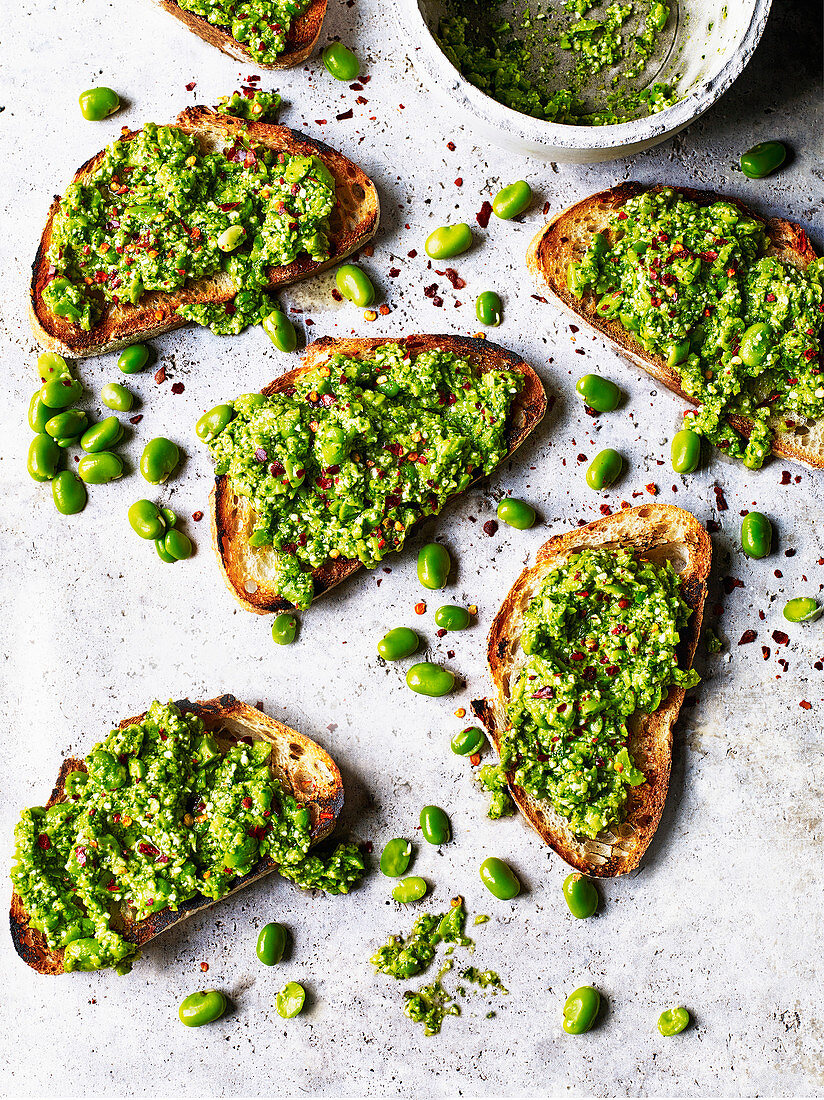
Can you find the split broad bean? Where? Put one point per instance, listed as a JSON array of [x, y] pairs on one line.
[[395, 857], [409, 889], [673, 1021], [290, 1001], [802, 609]]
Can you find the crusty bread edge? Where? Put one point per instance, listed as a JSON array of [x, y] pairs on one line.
[[532, 401], [324, 806], [648, 528]]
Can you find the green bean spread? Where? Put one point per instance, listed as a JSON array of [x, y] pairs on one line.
[[156, 816], [261, 26], [600, 638], [697, 286], [160, 210], [515, 60], [347, 461]]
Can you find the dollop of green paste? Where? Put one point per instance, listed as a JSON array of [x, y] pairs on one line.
[[160, 210], [158, 815], [344, 465], [600, 639], [493, 780], [697, 286]]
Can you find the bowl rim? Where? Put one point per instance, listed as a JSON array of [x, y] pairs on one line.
[[489, 112]]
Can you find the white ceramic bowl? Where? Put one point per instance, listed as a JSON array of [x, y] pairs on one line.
[[710, 51]]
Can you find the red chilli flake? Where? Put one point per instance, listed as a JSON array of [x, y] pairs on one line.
[[490, 527], [197, 516], [484, 214], [178, 387], [720, 499], [136, 419], [190, 87], [43, 842], [747, 637], [344, 115], [780, 637], [805, 705]]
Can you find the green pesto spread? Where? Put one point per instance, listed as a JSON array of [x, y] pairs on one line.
[[260, 25], [360, 450], [493, 780], [431, 1004], [157, 816], [741, 328], [599, 639], [251, 104], [159, 211], [517, 62]]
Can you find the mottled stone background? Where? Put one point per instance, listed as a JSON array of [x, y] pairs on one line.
[[725, 915]]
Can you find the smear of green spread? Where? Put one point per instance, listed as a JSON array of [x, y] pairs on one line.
[[600, 639], [493, 780], [252, 104], [159, 212], [159, 816], [344, 465], [697, 287]]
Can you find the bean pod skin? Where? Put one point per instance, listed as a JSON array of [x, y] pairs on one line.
[[685, 451], [284, 628], [516, 513], [203, 1007], [271, 943], [756, 535], [435, 825], [395, 857], [409, 889], [673, 1021], [448, 241], [580, 895], [499, 878], [604, 469], [69, 493], [598, 393], [580, 1010], [429, 679], [434, 564], [398, 643], [468, 741], [355, 284], [763, 158], [512, 200]]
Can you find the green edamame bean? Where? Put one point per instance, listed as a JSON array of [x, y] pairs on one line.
[[67, 424], [203, 1007], [290, 1001], [280, 331], [39, 413], [284, 628], [51, 366], [604, 469], [802, 609], [756, 344], [598, 393], [230, 238], [488, 308], [145, 519], [756, 535], [435, 825], [434, 564], [448, 241], [162, 552], [409, 889], [763, 158], [75, 782], [271, 943], [177, 545], [452, 617], [212, 423], [101, 436], [98, 103], [512, 200], [355, 284], [60, 393], [673, 1021], [580, 1009], [580, 895], [134, 359], [44, 454], [117, 397], [69, 493], [159, 458], [398, 643], [170, 517], [516, 513], [100, 468], [499, 879], [428, 679], [340, 62], [468, 741], [395, 857], [685, 451]]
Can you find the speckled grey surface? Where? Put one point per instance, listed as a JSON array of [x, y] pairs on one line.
[[725, 915]]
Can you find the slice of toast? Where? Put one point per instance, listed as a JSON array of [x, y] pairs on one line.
[[656, 531], [307, 772], [300, 41], [566, 238], [353, 222], [250, 572]]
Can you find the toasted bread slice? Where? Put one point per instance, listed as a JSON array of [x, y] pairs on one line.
[[656, 531], [353, 222], [308, 773], [250, 572], [300, 41], [567, 236]]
